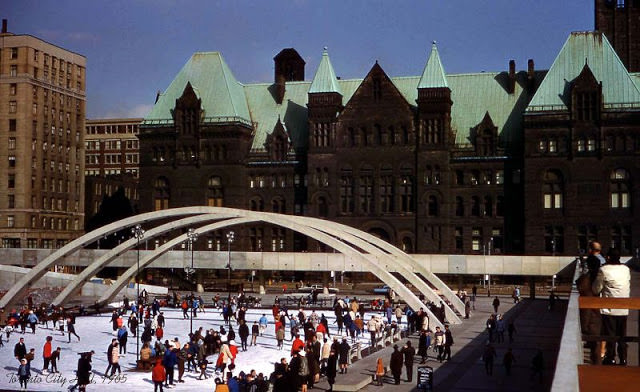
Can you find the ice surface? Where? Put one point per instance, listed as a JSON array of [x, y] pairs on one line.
[[96, 334]]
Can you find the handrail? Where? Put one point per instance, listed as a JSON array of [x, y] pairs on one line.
[[609, 303]]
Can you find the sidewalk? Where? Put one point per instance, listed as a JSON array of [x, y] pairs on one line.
[[536, 327]]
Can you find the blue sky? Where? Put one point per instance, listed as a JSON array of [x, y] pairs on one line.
[[135, 47]]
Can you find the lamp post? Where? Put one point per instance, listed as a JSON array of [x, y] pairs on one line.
[[138, 232], [192, 236], [230, 238]]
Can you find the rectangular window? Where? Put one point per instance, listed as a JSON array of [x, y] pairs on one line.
[[11, 180], [12, 143], [12, 161], [14, 53], [13, 125], [553, 146], [13, 89], [14, 70], [11, 221], [591, 144], [13, 106], [11, 201]]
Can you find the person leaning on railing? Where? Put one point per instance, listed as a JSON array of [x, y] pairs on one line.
[[614, 281]]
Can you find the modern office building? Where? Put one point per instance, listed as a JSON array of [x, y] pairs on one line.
[[42, 115]]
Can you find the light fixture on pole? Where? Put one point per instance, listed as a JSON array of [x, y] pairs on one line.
[[230, 238], [192, 236], [138, 232]]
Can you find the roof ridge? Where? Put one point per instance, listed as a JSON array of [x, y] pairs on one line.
[[226, 84]]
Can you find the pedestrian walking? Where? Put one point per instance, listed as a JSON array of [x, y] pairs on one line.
[[396, 364], [379, 372], [424, 342], [331, 369], [448, 342], [110, 356], [408, 352], [537, 366], [344, 355], [496, 304], [487, 357], [511, 329], [474, 293], [467, 308], [439, 338], [508, 361], [500, 327], [491, 326]]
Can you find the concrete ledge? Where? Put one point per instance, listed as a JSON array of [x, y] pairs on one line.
[[358, 382]]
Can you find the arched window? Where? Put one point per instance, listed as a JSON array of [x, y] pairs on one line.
[[346, 191], [500, 206], [407, 245], [161, 194], [257, 204], [278, 205], [488, 206], [619, 183], [406, 193], [366, 191], [552, 189], [459, 206], [475, 206], [214, 192], [323, 207], [432, 206], [386, 190]]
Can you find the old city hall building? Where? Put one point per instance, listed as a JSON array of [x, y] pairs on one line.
[[535, 161]]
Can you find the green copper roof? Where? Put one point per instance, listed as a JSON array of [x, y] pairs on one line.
[[433, 75], [222, 96], [325, 80], [594, 49]]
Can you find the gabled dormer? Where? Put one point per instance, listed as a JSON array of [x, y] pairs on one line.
[[278, 142], [434, 103], [485, 137], [186, 114], [586, 97], [325, 102]]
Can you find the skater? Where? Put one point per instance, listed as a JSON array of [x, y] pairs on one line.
[[243, 331], [55, 356], [158, 375], [115, 360], [46, 354], [344, 355], [71, 329], [263, 324], [255, 331], [84, 370], [110, 356], [122, 339], [20, 350], [24, 372]]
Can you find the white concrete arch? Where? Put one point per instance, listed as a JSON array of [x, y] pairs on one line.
[[404, 266], [43, 266], [295, 223], [105, 259], [430, 276], [146, 260], [287, 221]]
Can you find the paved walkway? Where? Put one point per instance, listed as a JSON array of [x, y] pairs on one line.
[[536, 328]]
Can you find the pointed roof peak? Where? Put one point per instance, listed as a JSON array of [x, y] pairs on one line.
[[433, 75], [325, 80]]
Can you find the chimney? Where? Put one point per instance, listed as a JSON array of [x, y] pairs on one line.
[[531, 77], [4, 26], [512, 77]]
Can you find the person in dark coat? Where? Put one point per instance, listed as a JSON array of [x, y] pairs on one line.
[[409, 352], [170, 360], [344, 355], [109, 355], [20, 350], [294, 370], [448, 342], [496, 304], [84, 370], [396, 364], [243, 331], [423, 345], [331, 370], [114, 321]]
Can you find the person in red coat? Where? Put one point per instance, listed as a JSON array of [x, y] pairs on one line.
[[159, 333], [158, 374], [46, 353], [297, 345], [234, 350]]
